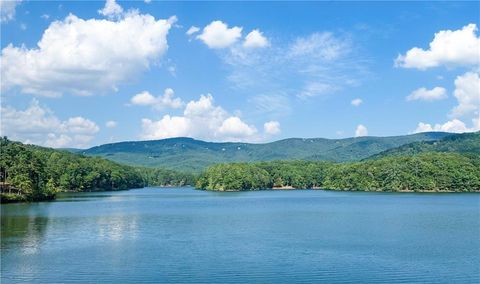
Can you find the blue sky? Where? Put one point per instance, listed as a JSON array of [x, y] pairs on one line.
[[78, 74]]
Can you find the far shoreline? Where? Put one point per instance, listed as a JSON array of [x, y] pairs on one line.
[[284, 188]]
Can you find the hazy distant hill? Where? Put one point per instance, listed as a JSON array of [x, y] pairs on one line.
[[458, 143], [195, 155]]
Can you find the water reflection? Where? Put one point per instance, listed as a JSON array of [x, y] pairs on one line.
[[27, 229]]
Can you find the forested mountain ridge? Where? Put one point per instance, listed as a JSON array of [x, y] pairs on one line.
[[192, 155], [456, 143]]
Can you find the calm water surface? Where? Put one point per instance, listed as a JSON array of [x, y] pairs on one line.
[[184, 235]]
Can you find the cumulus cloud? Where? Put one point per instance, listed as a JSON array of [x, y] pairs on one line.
[[255, 39], [39, 125], [467, 93], [423, 94], [356, 102], [167, 127], [272, 127], [7, 10], [85, 57], [111, 124], [235, 127], [449, 48], [167, 100], [111, 9], [454, 126], [201, 119], [361, 131], [217, 34]]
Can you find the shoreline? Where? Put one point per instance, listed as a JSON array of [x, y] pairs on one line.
[[286, 188]]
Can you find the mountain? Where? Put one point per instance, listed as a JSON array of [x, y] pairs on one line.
[[194, 155], [468, 143]]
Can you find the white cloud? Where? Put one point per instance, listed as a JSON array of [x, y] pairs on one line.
[[422, 94], [192, 30], [467, 93], [172, 69], [274, 104], [45, 16], [255, 39], [201, 119], [39, 125], [218, 35], [454, 125], [315, 65], [356, 102], [111, 9], [234, 127], [85, 57], [272, 127], [313, 89], [449, 48], [361, 131], [143, 99], [7, 9], [167, 100], [167, 127], [147, 1], [324, 46], [111, 124]]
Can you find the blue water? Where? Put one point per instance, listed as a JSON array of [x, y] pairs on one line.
[[183, 235]]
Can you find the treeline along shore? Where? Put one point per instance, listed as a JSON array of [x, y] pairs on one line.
[[448, 164], [426, 172], [451, 164], [33, 173]]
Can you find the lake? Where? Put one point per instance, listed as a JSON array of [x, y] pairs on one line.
[[184, 235]]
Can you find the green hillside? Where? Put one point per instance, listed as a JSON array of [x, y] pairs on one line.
[[426, 172], [188, 154], [457, 143], [33, 173]]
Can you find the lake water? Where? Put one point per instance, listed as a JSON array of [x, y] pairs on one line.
[[184, 235]]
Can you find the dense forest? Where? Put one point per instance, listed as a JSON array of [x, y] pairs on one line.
[[30, 173], [436, 172]]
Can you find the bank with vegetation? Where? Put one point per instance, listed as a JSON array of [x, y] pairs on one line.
[[449, 164], [33, 173], [426, 172]]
